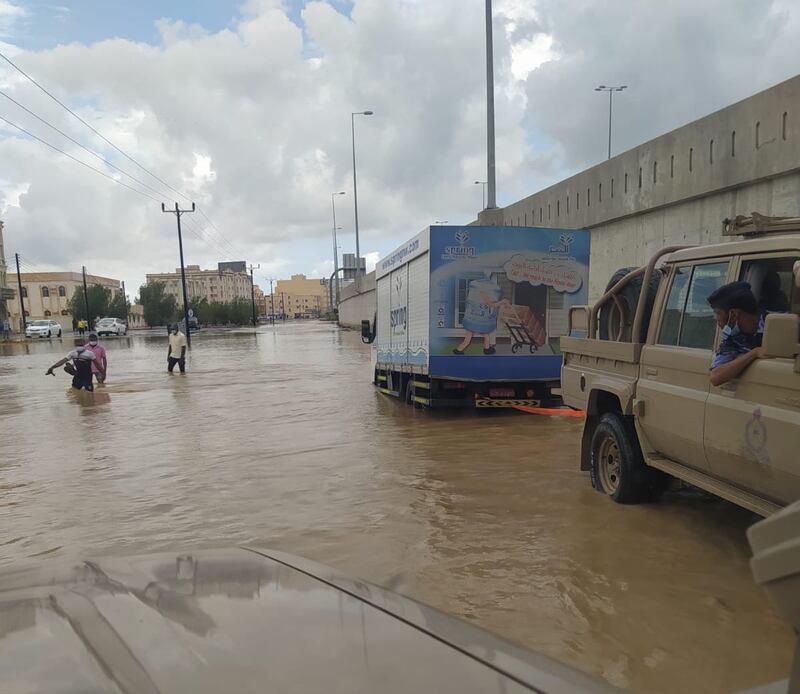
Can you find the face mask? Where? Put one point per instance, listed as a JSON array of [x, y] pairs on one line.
[[730, 330], [93, 343]]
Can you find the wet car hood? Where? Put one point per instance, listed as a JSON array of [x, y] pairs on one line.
[[245, 620]]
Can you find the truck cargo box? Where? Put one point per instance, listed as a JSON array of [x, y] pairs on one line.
[[475, 303]]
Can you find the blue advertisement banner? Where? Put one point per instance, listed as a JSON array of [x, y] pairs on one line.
[[500, 299]]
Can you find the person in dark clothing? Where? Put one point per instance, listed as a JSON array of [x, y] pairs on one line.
[[736, 310], [80, 368]]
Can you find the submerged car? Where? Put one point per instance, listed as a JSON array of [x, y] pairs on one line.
[[43, 328], [246, 620]]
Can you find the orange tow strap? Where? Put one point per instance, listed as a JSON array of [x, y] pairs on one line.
[[551, 411]]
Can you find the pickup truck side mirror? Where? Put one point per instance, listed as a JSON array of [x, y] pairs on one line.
[[781, 335]]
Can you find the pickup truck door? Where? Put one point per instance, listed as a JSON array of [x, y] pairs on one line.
[[752, 427], [673, 374]]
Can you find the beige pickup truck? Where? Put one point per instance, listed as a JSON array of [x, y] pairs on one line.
[[641, 373]]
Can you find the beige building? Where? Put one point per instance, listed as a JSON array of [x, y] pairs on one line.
[[47, 295], [220, 285], [300, 297]]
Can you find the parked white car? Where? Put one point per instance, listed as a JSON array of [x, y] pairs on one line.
[[43, 328], [111, 326]]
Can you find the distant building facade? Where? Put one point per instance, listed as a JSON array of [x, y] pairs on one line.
[[300, 297], [47, 295], [220, 285]]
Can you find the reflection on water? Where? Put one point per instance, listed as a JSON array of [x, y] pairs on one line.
[[277, 438]]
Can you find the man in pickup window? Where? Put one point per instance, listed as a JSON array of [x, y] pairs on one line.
[[742, 324]]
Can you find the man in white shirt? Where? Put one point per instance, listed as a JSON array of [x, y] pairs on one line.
[[177, 346]]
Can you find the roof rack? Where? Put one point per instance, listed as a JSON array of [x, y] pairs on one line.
[[759, 224]]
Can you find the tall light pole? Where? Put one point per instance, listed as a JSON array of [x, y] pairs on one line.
[[610, 90], [336, 245], [355, 184], [490, 172], [483, 193]]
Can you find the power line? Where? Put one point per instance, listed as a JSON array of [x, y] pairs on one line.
[[82, 146], [94, 130], [75, 159]]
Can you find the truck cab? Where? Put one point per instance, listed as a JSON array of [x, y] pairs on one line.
[[652, 412]]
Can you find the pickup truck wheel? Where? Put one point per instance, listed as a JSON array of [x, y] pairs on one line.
[[618, 468]]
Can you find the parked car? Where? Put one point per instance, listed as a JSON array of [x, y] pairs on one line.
[[43, 328], [641, 374], [111, 326]]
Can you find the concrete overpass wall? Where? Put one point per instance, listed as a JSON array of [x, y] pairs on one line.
[[359, 304], [677, 188]]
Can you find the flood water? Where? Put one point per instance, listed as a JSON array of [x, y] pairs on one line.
[[277, 438]]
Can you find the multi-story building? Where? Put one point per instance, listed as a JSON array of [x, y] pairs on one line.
[[47, 295], [300, 297], [220, 285]]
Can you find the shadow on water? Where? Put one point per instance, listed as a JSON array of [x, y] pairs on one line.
[[277, 437]]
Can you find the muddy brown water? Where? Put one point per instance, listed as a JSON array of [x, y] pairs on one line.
[[277, 438]]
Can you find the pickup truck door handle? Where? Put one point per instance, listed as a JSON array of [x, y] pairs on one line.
[[650, 371]]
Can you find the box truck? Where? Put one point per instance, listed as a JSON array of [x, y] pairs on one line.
[[471, 315]]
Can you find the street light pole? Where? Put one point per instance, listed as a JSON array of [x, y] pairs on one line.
[[178, 212], [490, 168], [483, 193], [336, 246], [355, 185], [610, 90]]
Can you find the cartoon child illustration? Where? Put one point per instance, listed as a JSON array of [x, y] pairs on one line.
[[480, 314]]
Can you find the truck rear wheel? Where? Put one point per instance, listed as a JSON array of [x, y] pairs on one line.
[[618, 468]]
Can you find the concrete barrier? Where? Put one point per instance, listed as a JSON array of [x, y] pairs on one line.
[[358, 302]]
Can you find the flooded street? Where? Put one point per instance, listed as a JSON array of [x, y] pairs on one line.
[[277, 438]]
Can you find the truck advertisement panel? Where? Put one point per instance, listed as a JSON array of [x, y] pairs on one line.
[[500, 299]]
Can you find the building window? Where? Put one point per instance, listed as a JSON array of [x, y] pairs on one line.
[[672, 166], [540, 214], [577, 201], [612, 187], [626, 183], [600, 192], [640, 176], [47, 314], [558, 208], [758, 134], [62, 290], [548, 210], [733, 143], [784, 123], [655, 171], [45, 291], [588, 197], [691, 158], [526, 219], [711, 151], [64, 312], [24, 292]]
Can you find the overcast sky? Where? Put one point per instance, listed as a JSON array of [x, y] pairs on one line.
[[245, 108]]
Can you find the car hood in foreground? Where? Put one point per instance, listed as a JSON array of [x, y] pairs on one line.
[[245, 620]]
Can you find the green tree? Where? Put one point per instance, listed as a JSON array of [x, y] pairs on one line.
[[99, 300], [118, 307], [160, 308]]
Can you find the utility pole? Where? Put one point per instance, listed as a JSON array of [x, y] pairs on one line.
[[125, 299], [271, 300], [178, 212], [253, 293], [335, 248], [86, 300], [490, 169], [283, 308], [21, 298]]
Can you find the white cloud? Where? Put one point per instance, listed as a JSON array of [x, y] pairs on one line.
[[253, 121]]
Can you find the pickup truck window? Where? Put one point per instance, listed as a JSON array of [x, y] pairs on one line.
[[688, 319], [773, 283], [671, 323]]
